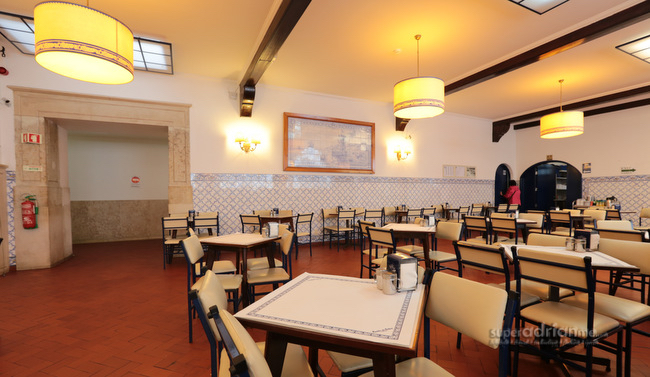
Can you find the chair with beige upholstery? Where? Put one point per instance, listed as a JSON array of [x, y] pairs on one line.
[[571, 324], [542, 239], [376, 216], [303, 229], [538, 218], [619, 230], [389, 214], [628, 312], [211, 295], [262, 212], [561, 223], [429, 211], [503, 223], [444, 231], [250, 223], [613, 214], [343, 228], [477, 310], [636, 254], [594, 216], [273, 275], [476, 209], [477, 224], [373, 254], [412, 214], [223, 270], [645, 214], [174, 229], [206, 224], [614, 225]]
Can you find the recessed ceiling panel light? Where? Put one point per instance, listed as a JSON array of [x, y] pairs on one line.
[[639, 48], [539, 6]]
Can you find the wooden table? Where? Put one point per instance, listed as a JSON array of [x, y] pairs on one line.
[[400, 214], [277, 219], [240, 243], [415, 231], [341, 314]]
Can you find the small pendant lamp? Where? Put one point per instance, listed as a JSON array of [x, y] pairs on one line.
[[562, 124], [82, 43], [419, 97]]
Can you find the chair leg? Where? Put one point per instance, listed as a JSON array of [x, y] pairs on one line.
[[189, 316]]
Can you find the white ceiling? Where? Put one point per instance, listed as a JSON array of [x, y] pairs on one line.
[[347, 47]]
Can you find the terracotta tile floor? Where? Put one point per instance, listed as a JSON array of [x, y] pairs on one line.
[[111, 310]]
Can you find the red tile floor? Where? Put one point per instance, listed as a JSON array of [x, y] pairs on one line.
[[111, 310]]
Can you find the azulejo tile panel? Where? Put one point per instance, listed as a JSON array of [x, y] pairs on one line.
[[234, 194], [11, 184], [632, 192]]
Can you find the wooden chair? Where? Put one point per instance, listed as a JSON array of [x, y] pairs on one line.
[[412, 214], [444, 231], [613, 214], [644, 214], [273, 275], [478, 224], [476, 209], [539, 225], [374, 254], [561, 223], [506, 225], [174, 229], [594, 216], [250, 223], [206, 224]]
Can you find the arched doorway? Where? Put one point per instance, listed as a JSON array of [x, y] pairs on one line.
[[501, 180], [550, 184]]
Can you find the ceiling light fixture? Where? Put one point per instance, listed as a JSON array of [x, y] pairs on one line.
[[82, 43], [419, 97], [639, 48], [562, 124], [539, 6]]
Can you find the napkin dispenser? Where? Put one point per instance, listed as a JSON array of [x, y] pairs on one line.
[[274, 229], [406, 269], [591, 237]]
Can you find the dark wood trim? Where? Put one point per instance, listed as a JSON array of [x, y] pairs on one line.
[[283, 23], [499, 129], [400, 123], [605, 26]]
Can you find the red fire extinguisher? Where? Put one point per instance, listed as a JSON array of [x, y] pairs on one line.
[[29, 211]]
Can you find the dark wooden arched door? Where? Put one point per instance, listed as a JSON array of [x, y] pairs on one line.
[[501, 180], [550, 184]]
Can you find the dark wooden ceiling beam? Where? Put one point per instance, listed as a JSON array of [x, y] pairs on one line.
[[500, 127], [283, 23], [400, 123], [605, 26]]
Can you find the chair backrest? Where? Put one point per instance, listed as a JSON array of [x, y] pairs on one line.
[[262, 212], [595, 214], [537, 217], [285, 212], [250, 221], [541, 239], [560, 217], [380, 237], [286, 241], [438, 210], [346, 214], [211, 293], [174, 223], [476, 223], [624, 235], [504, 224], [304, 218], [374, 214], [192, 248], [389, 211], [488, 258], [471, 308], [476, 210], [634, 253], [447, 230], [562, 270], [431, 211], [614, 224], [613, 214], [645, 214], [207, 220], [503, 207], [329, 212], [244, 356], [501, 215], [413, 212]]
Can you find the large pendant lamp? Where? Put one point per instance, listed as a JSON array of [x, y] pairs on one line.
[[82, 43], [419, 97], [562, 124]]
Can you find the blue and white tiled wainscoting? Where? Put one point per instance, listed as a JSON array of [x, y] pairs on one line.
[[235, 194], [632, 192]]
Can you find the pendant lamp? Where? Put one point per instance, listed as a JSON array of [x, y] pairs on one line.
[[82, 43], [419, 97], [562, 124]]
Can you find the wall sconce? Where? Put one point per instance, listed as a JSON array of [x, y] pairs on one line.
[[403, 150], [246, 145]]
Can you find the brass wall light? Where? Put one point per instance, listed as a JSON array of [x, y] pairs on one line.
[[247, 144]]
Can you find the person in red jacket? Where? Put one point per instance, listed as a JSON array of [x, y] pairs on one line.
[[513, 194]]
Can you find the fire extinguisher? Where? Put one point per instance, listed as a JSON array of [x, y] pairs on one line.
[[29, 210]]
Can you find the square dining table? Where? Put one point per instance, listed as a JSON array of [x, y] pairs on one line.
[[415, 231], [240, 243], [338, 313]]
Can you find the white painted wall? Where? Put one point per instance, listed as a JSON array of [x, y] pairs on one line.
[[214, 121], [610, 141], [101, 167]]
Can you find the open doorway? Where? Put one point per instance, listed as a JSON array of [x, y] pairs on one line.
[[501, 183]]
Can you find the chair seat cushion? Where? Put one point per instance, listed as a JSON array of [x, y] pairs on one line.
[[223, 267], [436, 255], [379, 253], [409, 249], [230, 282], [417, 367], [261, 263], [572, 320], [268, 275], [619, 308], [349, 363], [295, 361]]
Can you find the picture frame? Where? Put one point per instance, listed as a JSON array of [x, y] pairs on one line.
[[324, 144]]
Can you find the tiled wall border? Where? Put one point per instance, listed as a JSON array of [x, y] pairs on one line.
[[632, 191], [11, 184]]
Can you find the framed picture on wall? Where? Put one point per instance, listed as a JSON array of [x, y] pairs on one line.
[[323, 144]]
